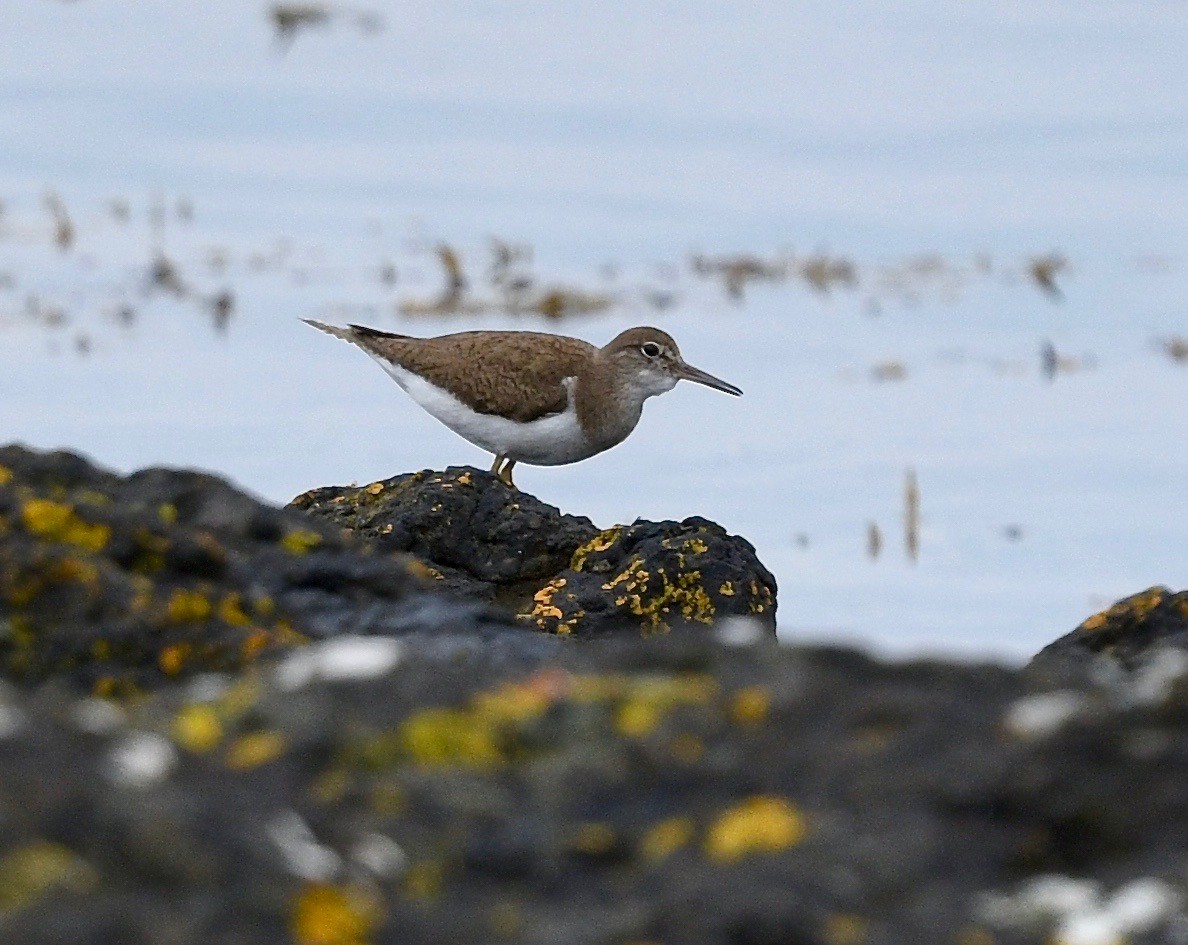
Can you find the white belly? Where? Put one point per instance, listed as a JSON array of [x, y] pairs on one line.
[[549, 441]]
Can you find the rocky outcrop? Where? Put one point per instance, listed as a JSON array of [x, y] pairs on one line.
[[555, 572], [121, 583], [1126, 633]]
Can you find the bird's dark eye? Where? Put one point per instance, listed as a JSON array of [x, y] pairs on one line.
[[651, 350]]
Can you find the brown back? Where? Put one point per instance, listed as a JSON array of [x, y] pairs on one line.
[[516, 374]]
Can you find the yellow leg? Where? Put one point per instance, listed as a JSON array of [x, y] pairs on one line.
[[505, 474], [498, 462]]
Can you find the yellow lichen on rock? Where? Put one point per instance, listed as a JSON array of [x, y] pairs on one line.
[[600, 542], [231, 611], [58, 522], [255, 749], [666, 837], [5, 475], [30, 873], [450, 737], [758, 825], [197, 729], [325, 914], [749, 706], [1135, 607], [188, 606], [300, 541]]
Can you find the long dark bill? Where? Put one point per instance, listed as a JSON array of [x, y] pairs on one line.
[[689, 373]]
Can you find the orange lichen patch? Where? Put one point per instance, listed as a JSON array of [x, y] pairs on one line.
[[465, 479], [30, 873], [167, 512], [251, 751], [727, 589], [600, 542], [5, 475], [230, 610], [758, 825], [594, 839], [173, 658], [58, 522], [300, 541], [841, 929], [749, 706], [1130, 609], [197, 728], [188, 607], [655, 596], [421, 570], [324, 914], [665, 838], [264, 606], [547, 615], [696, 546], [375, 488]]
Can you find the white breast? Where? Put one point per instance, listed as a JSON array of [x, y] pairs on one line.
[[550, 441]]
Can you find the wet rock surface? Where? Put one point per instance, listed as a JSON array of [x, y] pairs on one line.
[[555, 572]]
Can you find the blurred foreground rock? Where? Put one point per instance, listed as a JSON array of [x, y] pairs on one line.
[[703, 788], [557, 573]]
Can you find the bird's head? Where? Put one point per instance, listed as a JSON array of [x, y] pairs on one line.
[[651, 362]]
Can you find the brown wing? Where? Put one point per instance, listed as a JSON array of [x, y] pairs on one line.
[[516, 374]]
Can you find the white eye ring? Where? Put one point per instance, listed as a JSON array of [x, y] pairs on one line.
[[650, 350]]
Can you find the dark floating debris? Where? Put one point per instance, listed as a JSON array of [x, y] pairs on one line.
[[889, 371], [64, 234], [1053, 363], [911, 516], [1012, 533], [1043, 271], [289, 19], [222, 307], [874, 541], [165, 277], [1176, 349]]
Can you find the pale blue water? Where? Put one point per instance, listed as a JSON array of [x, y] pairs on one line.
[[610, 134]]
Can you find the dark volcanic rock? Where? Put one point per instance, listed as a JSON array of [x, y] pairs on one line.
[[674, 790], [556, 572], [483, 536], [657, 574], [117, 582], [1125, 633]]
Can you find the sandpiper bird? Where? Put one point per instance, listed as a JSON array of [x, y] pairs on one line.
[[528, 397]]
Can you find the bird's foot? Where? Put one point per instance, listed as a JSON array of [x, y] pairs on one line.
[[505, 474]]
